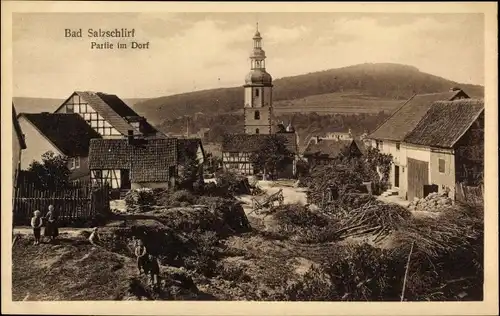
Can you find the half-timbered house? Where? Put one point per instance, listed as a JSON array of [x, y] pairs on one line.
[[107, 114], [134, 163], [237, 150]]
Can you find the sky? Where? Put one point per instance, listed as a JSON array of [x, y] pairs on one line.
[[197, 51]]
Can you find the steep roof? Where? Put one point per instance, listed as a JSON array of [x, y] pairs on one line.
[[115, 111], [250, 142], [17, 128], [327, 148], [68, 132], [148, 160], [404, 119], [446, 122], [361, 146], [188, 146]]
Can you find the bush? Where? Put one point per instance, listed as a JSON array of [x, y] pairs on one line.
[[315, 285], [228, 184], [176, 198], [229, 210], [140, 200]]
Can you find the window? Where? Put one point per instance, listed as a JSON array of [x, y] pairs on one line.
[[381, 145], [257, 131], [256, 92], [77, 162], [398, 146], [71, 162], [69, 108], [442, 165], [256, 115]]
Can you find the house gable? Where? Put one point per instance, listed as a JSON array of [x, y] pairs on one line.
[[446, 122], [407, 117], [36, 144], [107, 114]]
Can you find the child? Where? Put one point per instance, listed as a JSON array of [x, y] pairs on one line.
[[94, 237], [154, 270], [140, 253], [36, 223], [51, 230]]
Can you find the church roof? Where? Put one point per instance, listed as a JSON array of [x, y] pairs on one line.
[[258, 76]]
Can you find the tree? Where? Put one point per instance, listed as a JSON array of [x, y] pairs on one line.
[[51, 173], [272, 154], [191, 173]]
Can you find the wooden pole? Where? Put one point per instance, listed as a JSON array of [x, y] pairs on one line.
[[406, 272]]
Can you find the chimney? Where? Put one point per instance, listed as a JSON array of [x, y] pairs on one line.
[[130, 137]]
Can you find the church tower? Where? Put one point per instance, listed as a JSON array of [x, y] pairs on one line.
[[258, 92]]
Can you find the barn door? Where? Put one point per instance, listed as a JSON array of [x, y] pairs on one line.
[[418, 176]]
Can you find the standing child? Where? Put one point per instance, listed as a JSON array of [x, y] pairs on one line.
[[51, 229], [140, 253], [36, 223], [154, 270]]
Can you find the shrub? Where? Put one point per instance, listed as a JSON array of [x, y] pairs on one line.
[[315, 285], [176, 198], [228, 184], [140, 200]]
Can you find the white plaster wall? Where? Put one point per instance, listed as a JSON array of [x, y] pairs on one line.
[[36, 144]]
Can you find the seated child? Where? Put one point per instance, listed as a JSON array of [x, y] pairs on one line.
[[94, 237], [36, 223]]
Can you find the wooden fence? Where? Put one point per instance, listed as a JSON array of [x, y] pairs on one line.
[[473, 195], [77, 202]]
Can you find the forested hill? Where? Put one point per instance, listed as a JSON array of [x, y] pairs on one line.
[[379, 81]]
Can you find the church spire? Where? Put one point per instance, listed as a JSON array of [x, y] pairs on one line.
[[258, 55]]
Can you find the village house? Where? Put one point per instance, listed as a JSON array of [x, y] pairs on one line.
[[64, 134], [107, 114], [323, 151], [389, 136], [18, 145], [134, 163], [238, 148], [446, 148]]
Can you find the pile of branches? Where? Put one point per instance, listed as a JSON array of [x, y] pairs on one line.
[[373, 218], [456, 228]]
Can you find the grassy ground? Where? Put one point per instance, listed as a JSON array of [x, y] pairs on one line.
[[69, 270], [253, 266]]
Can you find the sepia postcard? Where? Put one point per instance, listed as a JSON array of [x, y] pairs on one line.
[[232, 158]]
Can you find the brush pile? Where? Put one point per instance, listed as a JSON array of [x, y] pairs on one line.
[[373, 218], [434, 202]]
